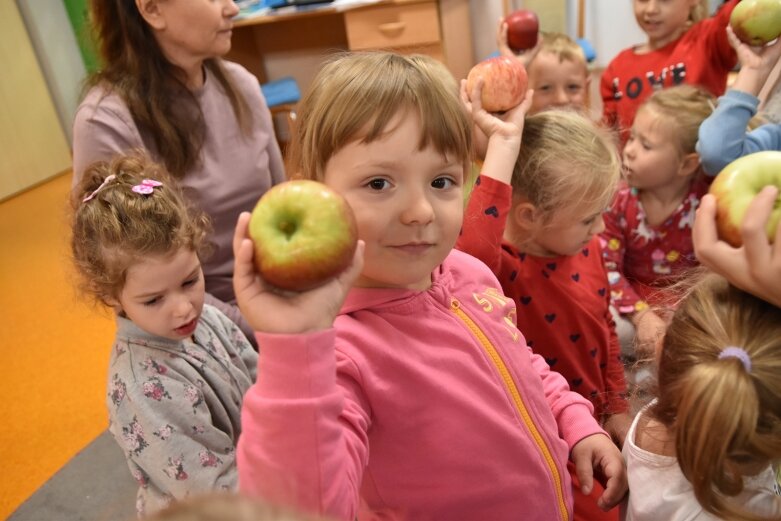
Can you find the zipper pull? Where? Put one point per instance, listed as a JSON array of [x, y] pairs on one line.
[[455, 305]]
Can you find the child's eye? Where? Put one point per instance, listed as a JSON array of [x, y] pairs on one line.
[[443, 183], [190, 282], [152, 301], [378, 184], [543, 88], [575, 87]]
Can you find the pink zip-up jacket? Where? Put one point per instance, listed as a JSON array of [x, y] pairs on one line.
[[415, 405]]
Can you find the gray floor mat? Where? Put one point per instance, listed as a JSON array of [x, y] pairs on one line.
[[95, 485]]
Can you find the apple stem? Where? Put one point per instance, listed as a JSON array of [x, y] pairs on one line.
[[287, 227]]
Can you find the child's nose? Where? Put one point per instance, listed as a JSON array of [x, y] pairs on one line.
[[230, 8], [417, 210], [561, 97], [183, 306], [629, 150]]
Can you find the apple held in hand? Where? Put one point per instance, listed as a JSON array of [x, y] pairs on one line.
[[756, 22], [504, 82], [304, 235], [523, 26], [735, 188]]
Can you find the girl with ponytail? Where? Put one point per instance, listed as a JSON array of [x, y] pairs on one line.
[[704, 448]]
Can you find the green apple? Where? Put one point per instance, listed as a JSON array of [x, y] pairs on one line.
[[304, 235], [504, 82], [735, 188], [756, 22]]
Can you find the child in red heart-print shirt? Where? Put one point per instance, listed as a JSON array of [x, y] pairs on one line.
[[534, 221]]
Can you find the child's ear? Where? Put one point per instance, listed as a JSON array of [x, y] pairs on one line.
[[689, 164], [150, 12], [524, 216], [112, 303]]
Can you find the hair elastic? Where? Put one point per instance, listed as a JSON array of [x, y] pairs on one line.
[[106, 181], [739, 353], [146, 187]]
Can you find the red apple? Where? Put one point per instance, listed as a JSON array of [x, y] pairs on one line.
[[304, 235], [523, 26], [756, 22], [504, 82], [735, 188]]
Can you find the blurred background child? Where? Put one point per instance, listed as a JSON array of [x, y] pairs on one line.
[[648, 243], [557, 69], [558, 74], [403, 388], [178, 367], [723, 137], [703, 448], [684, 46], [535, 222]]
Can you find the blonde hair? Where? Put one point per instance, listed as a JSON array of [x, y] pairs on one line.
[[355, 95], [564, 48], [566, 160], [716, 407], [682, 108], [117, 226], [227, 507], [699, 12]]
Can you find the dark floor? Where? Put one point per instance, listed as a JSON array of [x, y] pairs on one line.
[[95, 485]]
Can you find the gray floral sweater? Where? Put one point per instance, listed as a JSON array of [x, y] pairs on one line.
[[174, 407]]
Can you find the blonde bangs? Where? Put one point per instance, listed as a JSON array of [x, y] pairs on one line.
[[349, 100]]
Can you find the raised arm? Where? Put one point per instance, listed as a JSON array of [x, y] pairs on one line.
[[723, 135]]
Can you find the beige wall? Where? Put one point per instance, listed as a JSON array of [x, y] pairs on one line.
[[32, 144]]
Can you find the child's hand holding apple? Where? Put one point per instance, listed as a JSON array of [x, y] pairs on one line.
[[309, 272], [503, 131], [756, 265]]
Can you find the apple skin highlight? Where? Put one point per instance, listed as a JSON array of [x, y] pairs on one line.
[[304, 235], [737, 185]]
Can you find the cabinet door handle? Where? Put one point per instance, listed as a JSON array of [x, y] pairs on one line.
[[392, 28]]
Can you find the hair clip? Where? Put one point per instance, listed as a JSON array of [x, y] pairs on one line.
[[146, 187], [739, 353], [106, 181]]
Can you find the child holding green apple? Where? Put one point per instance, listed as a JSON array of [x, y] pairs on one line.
[[723, 136], [402, 388]]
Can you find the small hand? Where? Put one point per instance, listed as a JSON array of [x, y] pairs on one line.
[[756, 63], [273, 311], [597, 452], [754, 267], [506, 125], [649, 334], [525, 56]]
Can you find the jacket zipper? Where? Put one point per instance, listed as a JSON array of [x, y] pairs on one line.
[[509, 383]]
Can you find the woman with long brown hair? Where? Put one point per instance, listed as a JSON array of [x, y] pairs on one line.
[[163, 88]]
